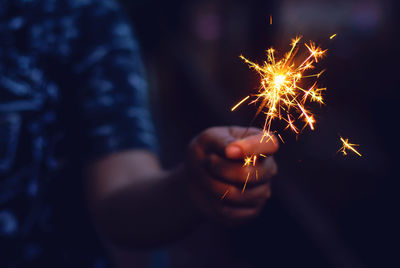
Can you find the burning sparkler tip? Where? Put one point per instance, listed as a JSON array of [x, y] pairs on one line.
[[280, 93]]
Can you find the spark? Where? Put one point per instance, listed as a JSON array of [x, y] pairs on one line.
[[250, 161], [280, 137], [225, 194], [254, 160], [290, 124], [245, 183], [348, 146], [267, 135], [240, 103], [270, 20], [333, 36], [247, 161]]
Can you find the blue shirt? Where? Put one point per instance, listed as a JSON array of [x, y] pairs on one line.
[[72, 89]]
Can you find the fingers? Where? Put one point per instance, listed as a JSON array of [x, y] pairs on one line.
[[252, 145]]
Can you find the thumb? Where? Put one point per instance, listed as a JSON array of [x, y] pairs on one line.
[[254, 144], [217, 139]]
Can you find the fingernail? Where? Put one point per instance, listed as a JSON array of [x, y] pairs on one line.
[[234, 151]]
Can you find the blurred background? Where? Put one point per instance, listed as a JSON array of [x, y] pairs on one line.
[[327, 210]]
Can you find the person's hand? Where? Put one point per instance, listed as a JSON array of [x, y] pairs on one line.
[[216, 175]]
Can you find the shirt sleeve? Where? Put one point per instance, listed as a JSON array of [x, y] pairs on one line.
[[112, 91]]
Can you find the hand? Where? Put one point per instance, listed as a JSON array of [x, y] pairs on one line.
[[216, 175]]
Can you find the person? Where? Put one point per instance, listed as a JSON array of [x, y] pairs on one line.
[[76, 132]]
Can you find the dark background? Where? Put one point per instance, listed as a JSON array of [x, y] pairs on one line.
[[327, 210]]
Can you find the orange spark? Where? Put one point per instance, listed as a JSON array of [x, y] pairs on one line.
[[250, 161], [348, 146], [245, 183], [225, 194], [280, 137], [237, 105]]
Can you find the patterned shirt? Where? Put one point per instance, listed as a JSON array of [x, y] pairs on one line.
[[72, 89]]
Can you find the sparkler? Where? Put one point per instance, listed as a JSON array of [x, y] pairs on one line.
[[282, 94]]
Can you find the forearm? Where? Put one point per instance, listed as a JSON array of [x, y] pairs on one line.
[[150, 211]]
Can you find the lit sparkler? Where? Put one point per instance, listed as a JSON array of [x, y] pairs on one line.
[[348, 146], [282, 94]]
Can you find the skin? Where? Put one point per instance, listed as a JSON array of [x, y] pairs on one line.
[[136, 204]]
